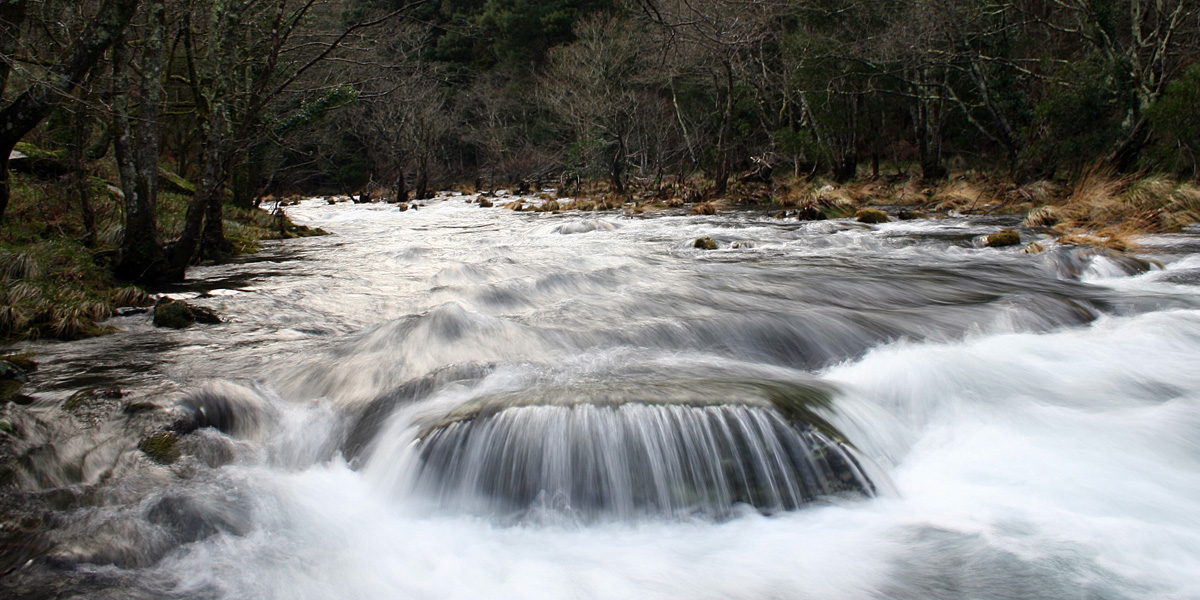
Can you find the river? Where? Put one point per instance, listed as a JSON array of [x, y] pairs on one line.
[[461, 402]]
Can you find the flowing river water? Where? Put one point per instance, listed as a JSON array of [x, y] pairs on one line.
[[459, 402]]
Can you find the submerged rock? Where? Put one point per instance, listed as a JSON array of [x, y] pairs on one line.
[[14, 372], [160, 447]]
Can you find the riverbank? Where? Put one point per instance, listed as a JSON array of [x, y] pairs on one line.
[[55, 269], [1095, 208]]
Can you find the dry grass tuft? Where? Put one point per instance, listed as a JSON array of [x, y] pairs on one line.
[[131, 296], [963, 195], [710, 207], [19, 265]]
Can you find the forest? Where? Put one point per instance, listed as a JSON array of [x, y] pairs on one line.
[[136, 128]]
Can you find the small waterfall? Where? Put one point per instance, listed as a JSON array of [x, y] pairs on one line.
[[633, 460]]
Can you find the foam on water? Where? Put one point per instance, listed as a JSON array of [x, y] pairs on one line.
[[1036, 436]]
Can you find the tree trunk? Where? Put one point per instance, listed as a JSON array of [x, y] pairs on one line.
[[81, 181], [141, 257], [422, 187], [722, 176], [12, 18], [401, 190]]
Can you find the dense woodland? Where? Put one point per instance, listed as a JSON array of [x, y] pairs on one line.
[[228, 101]]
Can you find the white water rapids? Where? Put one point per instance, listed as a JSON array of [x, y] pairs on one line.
[[1032, 421]]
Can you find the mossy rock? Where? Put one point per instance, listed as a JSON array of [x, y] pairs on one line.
[[173, 314], [28, 158], [9, 389], [161, 447], [909, 215], [172, 182], [6, 426], [137, 408], [176, 314], [871, 216], [1002, 238], [16, 366], [705, 243]]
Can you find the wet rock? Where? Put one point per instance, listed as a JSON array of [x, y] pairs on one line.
[[92, 406], [871, 216], [414, 206], [403, 207], [1002, 238], [14, 372], [741, 245], [191, 519], [1034, 248], [81, 398], [137, 408], [810, 212], [177, 314], [485, 203], [226, 407], [909, 215], [160, 447], [705, 243]]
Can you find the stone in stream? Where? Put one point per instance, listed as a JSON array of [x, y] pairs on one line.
[[705, 243], [1002, 238], [177, 314], [871, 216]]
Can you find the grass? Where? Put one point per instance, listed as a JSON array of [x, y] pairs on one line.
[[53, 284]]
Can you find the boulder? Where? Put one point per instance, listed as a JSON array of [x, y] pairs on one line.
[[871, 216], [1004, 237], [177, 314], [705, 243]]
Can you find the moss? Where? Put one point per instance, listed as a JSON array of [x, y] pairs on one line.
[[871, 215], [161, 447], [705, 243], [176, 314], [1004, 237], [173, 314], [135, 408], [77, 400], [6, 426], [9, 389], [19, 361], [171, 182]]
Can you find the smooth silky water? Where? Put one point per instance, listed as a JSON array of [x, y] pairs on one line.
[[459, 402]]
